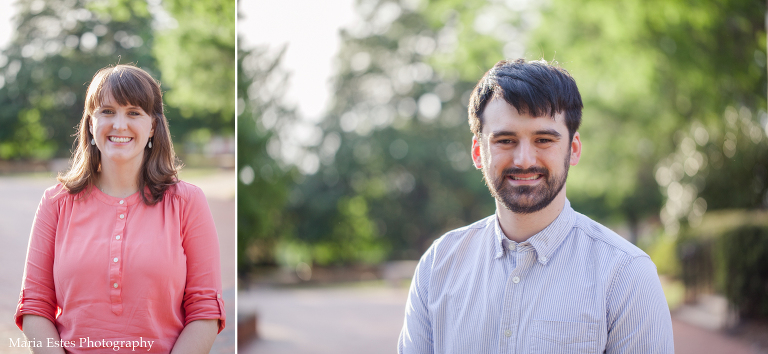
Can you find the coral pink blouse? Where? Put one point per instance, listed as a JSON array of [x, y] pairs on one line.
[[115, 269]]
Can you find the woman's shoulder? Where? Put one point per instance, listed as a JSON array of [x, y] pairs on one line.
[[56, 193], [184, 190]]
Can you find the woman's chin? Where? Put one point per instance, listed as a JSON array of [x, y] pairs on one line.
[[120, 158]]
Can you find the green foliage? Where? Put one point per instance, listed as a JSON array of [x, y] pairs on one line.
[[56, 50], [395, 169], [663, 253], [742, 271], [660, 81], [262, 183], [396, 141], [197, 60], [727, 253], [59, 45], [650, 72]]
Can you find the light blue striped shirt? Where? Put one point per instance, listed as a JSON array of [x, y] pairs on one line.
[[574, 287]]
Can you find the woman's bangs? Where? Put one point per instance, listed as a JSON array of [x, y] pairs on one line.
[[127, 89]]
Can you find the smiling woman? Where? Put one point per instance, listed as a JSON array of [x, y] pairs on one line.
[[124, 102], [122, 253]]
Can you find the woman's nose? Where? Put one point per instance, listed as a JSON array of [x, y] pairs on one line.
[[120, 122]]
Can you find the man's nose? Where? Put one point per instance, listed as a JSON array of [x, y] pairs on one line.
[[524, 155]]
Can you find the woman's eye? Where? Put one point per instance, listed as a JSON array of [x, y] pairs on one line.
[[106, 111]]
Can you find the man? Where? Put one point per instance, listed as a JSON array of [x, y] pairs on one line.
[[535, 277]]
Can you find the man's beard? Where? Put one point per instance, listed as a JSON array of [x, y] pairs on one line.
[[527, 199]]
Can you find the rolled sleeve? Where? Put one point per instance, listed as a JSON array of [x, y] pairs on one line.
[[203, 294], [638, 315], [38, 293]]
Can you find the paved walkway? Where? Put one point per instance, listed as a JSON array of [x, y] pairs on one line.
[[351, 320], [343, 320], [19, 197]]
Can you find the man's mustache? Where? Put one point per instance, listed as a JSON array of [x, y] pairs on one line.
[[523, 171]]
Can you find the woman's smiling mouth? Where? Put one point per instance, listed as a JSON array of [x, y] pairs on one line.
[[119, 139]]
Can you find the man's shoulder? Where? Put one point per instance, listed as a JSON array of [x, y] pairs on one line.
[[466, 236], [599, 233]]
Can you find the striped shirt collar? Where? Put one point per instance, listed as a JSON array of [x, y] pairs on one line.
[[545, 242]]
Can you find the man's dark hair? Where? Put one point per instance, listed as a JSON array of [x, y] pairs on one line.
[[535, 88]]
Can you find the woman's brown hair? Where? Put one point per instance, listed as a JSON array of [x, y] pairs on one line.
[[128, 85]]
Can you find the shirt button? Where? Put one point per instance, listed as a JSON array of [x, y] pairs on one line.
[[122, 216], [117, 237], [507, 333], [122, 201], [115, 285], [516, 280], [115, 260], [511, 246], [218, 295], [543, 259]]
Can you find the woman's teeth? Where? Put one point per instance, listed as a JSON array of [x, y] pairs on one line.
[[115, 139]]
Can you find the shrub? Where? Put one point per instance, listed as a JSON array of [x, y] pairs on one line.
[[728, 253]]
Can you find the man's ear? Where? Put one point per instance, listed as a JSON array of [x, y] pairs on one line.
[[476, 158], [575, 149]]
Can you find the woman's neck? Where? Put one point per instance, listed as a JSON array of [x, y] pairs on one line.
[[118, 180]]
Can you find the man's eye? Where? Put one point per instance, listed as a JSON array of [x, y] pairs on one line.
[[544, 141]]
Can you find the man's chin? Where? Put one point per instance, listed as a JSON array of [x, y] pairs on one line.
[[519, 208], [524, 203]]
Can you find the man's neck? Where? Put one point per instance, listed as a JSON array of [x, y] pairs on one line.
[[520, 227]]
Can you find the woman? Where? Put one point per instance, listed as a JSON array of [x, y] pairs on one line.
[[122, 252]]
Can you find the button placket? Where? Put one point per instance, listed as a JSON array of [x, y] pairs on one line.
[[115, 257], [509, 314], [513, 297]]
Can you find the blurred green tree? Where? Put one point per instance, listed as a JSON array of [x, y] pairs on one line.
[[651, 73], [197, 59], [394, 169], [57, 47], [667, 87], [263, 182]]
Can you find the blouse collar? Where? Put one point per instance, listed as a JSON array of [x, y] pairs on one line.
[[115, 201]]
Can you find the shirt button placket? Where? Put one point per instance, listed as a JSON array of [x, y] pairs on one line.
[[115, 251]]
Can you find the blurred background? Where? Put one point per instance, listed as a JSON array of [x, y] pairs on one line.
[[351, 163], [50, 50]]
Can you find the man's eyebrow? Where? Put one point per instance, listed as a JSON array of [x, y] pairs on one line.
[[501, 133], [551, 132]]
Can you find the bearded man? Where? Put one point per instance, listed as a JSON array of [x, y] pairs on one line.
[[535, 277]]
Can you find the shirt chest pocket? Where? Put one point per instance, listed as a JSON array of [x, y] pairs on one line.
[[557, 337]]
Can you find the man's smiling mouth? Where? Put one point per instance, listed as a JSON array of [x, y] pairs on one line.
[[525, 178]]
